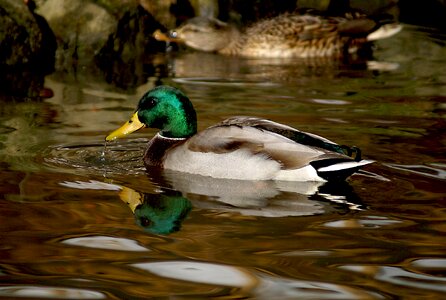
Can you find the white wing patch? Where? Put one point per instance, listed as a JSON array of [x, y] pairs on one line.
[[345, 165]]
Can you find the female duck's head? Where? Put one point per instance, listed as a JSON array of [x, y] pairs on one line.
[[163, 107], [204, 34]]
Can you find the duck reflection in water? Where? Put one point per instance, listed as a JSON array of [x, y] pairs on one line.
[[157, 213], [164, 213]]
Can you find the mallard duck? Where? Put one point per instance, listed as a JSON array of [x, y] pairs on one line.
[[247, 148], [287, 35]]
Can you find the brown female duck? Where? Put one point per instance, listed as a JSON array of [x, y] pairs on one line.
[[287, 35]]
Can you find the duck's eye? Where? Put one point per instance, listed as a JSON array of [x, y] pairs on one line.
[[173, 34], [145, 222], [149, 103]]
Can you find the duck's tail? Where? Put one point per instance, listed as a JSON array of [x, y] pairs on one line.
[[370, 28], [385, 31], [340, 170]]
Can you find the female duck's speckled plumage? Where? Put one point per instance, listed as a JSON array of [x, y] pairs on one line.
[[238, 148], [287, 35]]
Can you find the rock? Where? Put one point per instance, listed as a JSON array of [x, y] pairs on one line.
[[23, 42], [102, 33], [208, 8], [127, 49], [81, 28], [27, 48], [161, 11]]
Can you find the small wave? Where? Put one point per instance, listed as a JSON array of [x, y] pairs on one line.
[[433, 170], [216, 81], [118, 158]]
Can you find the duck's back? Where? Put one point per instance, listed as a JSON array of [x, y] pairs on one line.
[[293, 36], [305, 36], [237, 149]]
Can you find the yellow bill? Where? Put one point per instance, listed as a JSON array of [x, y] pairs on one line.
[[130, 126], [131, 197]]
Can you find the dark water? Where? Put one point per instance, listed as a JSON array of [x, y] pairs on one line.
[[78, 225]]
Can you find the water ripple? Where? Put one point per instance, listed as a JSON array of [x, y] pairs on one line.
[[366, 222], [105, 242], [399, 276], [261, 285], [430, 263], [330, 101], [435, 170], [119, 158], [200, 272], [216, 81], [47, 292]]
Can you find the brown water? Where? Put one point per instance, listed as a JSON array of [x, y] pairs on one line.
[[78, 225]]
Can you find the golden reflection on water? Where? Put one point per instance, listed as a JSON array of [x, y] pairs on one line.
[[283, 256]]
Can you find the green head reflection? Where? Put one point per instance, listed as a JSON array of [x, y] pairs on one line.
[[162, 214], [157, 213]]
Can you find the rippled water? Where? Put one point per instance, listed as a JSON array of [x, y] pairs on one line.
[[78, 225]]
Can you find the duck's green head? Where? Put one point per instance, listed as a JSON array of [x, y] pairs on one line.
[[163, 107]]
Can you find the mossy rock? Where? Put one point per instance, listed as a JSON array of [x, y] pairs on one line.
[[20, 34]]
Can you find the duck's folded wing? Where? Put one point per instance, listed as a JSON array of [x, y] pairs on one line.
[[301, 137], [293, 28], [229, 138]]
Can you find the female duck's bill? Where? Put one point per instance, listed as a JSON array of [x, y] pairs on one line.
[[246, 148]]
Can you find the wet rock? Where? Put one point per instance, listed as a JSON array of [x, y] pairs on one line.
[[81, 27], [114, 36], [26, 50], [248, 11], [208, 8], [161, 10], [20, 35], [129, 49]]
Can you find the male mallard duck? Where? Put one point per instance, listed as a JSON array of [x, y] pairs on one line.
[[287, 35], [238, 148]]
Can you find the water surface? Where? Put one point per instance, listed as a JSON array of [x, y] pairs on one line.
[[77, 225]]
